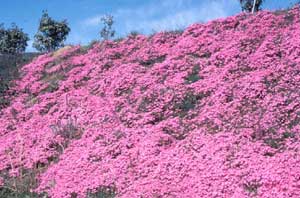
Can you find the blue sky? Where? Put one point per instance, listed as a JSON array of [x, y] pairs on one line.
[[145, 16]]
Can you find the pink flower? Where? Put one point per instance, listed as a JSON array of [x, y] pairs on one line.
[[209, 112]]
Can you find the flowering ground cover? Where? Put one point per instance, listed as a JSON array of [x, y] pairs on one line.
[[209, 112]]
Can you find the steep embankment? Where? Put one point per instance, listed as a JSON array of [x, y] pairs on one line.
[[9, 66], [210, 112]]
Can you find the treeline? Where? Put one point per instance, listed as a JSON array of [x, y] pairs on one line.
[[52, 34]]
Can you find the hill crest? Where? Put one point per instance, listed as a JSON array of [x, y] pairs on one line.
[[210, 112]]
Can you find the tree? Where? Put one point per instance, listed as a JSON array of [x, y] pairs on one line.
[[2, 37], [12, 40], [247, 5], [51, 34], [2, 30], [107, 31]]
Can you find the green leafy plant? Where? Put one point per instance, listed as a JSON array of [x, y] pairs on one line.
[[247, 5], [151, 61], [133, 34], [102, 192], [107, 32], [193, 76], [252, 187], [21, 186], [51, 34], [68, 130], [12, 40], [24, 181]]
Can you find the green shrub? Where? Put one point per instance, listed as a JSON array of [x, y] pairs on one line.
[[12, 40], [102, 192], [252, 187], [51, 34], [193, 76], [247, 5], [21, 186]]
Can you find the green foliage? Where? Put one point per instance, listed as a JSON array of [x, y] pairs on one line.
[[21, 186], [278, 142], [9, 193], [247, 5], [187, 103], [4, 99], [193, 76], [133, 34], [151, 61], [102, 192], [51, 34], [9, 72], [12, 40], [252, 187], [68, 130], [275, 143], [175, 31], [107, 31]]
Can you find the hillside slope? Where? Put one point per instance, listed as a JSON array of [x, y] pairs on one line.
[[210, 112]]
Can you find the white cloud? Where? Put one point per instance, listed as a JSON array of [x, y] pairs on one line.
[[179, 19], [92, 21], [162, 15], [172, 14]]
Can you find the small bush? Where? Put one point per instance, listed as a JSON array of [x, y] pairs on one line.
[[150, 62], [133, 34], [53, 81], [68, 130], [275, 143], [177, 134], [102, 192], [289, 18], [187, 103], [21, 186], [252, 187], [146, 102], [278, 142], [193, 76], [176, 32]]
